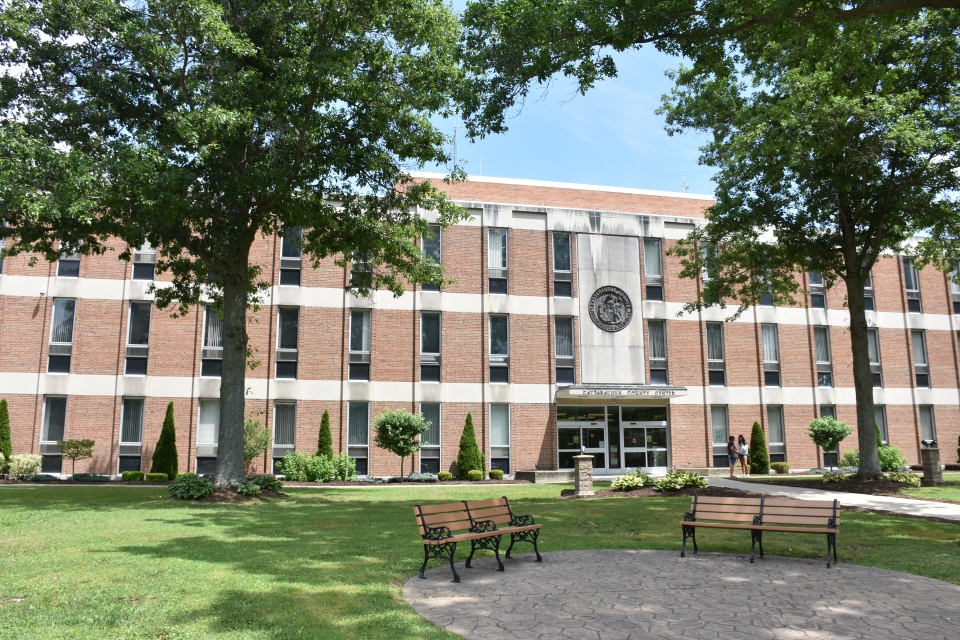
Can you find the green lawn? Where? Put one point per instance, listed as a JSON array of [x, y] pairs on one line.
[[114, 562], [949, 491]]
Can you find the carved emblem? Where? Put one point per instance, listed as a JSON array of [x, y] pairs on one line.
[[610, 309]]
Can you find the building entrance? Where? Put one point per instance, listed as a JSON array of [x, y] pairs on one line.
[[618, 437]]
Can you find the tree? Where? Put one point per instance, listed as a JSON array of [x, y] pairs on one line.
[[6, 444], [469, 457], [827, 432], [74, 450], [398, 432], [759, 457], [325, 439], [256, 440], [201, 127], [165, 455]]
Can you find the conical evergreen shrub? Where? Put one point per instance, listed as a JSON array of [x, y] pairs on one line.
[[325, 440], [165, 455], [759, 457], [469, 458], [6, 445]]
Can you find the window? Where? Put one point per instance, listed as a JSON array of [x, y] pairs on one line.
[[68, 266], [778, 451], [880, 417], [771, 355], [911, 282], [144, 264], [708, 254], [928, 430], [954, 285], [920, 363], [359, 344], [821, 339], [562, 266], [500, 437], [766, 298], [497, 261], [3, 244], [830, 458], [358, 436], [138, 339], [208, 434], [499, 349], [131, 435], [818, 292], [432, 250], [657, 335], [430, 329], [430, 439], [284, 431], [288, 335], [566, 372], [718, 422], [211, 355], [291, 257], [54, 425], [653, 268], [61, 335], [868, 303], [873, 350], [361, 273], [715, 361]]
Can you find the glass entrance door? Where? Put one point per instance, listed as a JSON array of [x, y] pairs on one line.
[[581, 429], [618, 438], [644, 438]]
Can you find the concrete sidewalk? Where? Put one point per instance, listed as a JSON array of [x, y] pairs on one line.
[[905, 506]]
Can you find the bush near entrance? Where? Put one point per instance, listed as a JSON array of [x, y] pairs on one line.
[[759, 457], [469, 459], [165, 455]]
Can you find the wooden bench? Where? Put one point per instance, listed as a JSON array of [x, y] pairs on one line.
[[481, 522], [756, 515]]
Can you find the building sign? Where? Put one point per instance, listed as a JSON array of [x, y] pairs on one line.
[[610, 308], [627, 392]]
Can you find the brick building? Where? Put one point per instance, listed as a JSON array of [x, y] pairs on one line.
[[560, 332]]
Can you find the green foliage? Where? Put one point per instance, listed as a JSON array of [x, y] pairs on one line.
[[22, 464], [469, 457], [891, 459], [345, 468], [294, 467], [189, 486], [631, 481], [495, 474], [903, 477], [299, 466], [830, 476], [444, 476], [828, 432], [89, 477], [156, 477], [325, 438], [256, 440], [40, 477], [74, 450], [399, 431], [676, 480], [475, 475], [249, 489], [132, 476], [758, 456], [268, 483], [850, 458], [165, 455], [6, 444], [879, 436], [780, 467], [420, 477]]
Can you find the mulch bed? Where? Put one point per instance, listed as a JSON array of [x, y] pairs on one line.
[[225, 495], [650, 492], [358, 483], [867, 487]]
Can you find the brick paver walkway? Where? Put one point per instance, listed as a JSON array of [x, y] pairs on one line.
[[641, 594]]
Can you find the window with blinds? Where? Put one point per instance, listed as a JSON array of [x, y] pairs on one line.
[[657, 337], [928, 430], [653, 268], [716, 366], [430, 328], [131, 435], [911, 282], [868, 303], [499, 348], [432, 249], [497, 261], [291, 257], [360, 331], [771, 355], [880, 417], [920, 364], [720, 433], [821, 340], [954, 277], [562, 266], [818, 292], [52, 429], [284, 431], [288, 338], [61, 335], [138, 338], [430, 439], [831, 459], [563, 338], [211, 355], [775, 427], [3, 244], [208, 433], [68, 266], [873, 351], [144, 262], [358, 434], [500, 437]]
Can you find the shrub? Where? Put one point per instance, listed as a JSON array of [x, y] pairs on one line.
[[6, 444], [469, 458], [902, 477], [74, 450], [40, 477], [676, 480], [189, 486], [496, 474], [345, 468], [256, 440], [444, 476], [828, 432], [23, 464], [268, 483], [830, 476], [850, 458], [156, 477], [299, 466], [249, 489], [398, 432], [325, 439], [320, 469], [165, 455], [420, 477], [89, 477], [475, 475], [759, 457], [3, 462], [891, 459], [630, 481], [780, 467], [294, 467], [132, 476]]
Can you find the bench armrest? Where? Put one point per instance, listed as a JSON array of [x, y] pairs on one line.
[[437, 533], [483, 526], [689, 517], [522, 521]]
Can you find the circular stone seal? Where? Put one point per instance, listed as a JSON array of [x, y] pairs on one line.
[[610, 309]]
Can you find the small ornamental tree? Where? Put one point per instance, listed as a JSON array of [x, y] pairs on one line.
[[827, 432], [74, 450], [398, 432], [325, 440], [256, 440], [6, 445], [469, 458], [165, 455], [759, 457]]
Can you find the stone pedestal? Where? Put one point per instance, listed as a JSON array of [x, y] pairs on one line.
[[932, 473], [583, 475]]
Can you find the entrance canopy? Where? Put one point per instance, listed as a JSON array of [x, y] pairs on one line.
[[619, 393]]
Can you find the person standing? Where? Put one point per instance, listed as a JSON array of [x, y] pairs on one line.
[[732, 455], [742, 451]]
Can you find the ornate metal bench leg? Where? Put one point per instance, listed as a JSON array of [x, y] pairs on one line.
[[536, 550], [496, 550], [453, 551], [512, 540], [753, 544], [426, 556], [473, 548], [760, 543], [687, 532], [831, 544]]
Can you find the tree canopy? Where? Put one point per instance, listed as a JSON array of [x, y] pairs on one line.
[[398, 431]]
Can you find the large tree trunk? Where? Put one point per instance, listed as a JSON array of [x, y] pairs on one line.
[[230, 464], [862, 379]]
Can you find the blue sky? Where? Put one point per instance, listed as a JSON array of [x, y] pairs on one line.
[[611, 136]]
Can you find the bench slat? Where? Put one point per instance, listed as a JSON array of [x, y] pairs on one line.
[[483, 514], [793, 502], [775, 519], [794, 511], [704, 500], [442, 508], [484, 504], [800, 530], [444, 518], [719, 508], [726, 517]]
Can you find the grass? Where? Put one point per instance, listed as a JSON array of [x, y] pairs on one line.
[[110, 562], [949, 491]]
